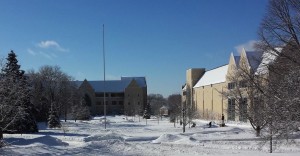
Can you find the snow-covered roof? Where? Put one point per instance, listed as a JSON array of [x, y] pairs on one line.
[[267, 58], [184, 88], [114, 86], [213, 76]]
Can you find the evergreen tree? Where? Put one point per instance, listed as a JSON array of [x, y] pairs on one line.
[[147, 112], [80, 111], [53, 121], [18, 96]]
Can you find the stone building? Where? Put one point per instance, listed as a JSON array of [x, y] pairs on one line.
[[126, 96], [204, 90]]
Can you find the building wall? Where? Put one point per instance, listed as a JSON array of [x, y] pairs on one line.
[[192, 77], [86, 89], [114, 103], [134, 99], [210, 102]]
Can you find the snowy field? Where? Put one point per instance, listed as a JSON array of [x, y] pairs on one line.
[[133, 137]]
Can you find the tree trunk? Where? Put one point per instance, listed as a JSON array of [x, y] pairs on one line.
[[271, 150], [271, 139], [1, 135], [174, 122], [1, 138], [65, 115], [258, 131]]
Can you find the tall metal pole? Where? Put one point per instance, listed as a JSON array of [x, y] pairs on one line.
[[104, 87]]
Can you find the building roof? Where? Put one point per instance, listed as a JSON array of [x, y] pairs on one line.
[[267, 58], [114, 86], [213, 76], [237, 60], [254, 58]]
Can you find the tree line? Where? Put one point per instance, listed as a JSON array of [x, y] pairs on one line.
[[36, 96]]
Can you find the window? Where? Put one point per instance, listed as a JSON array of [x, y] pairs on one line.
[[243, 84], [231, 109], [138, 103], [243, 109], [99, 103], [231, 85], [128, 103], [121, 103], [114, 102]]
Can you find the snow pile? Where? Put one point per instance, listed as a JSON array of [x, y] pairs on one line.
[[46, 140], [138, 138], [107, 136], [187, 140], [166, 138]]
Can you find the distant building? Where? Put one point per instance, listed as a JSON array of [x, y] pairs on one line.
[[126, 96], [164, 111]]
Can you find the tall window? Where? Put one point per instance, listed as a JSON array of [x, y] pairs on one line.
[[231, 109], [231, 85], [243, 84], [243, 109]]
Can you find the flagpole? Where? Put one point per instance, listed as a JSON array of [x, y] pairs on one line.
[[104, 87]]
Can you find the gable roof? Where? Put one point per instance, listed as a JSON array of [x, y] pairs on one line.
[[114, 86], [141, 81], [254, 59], [213, 76], [237, 60]]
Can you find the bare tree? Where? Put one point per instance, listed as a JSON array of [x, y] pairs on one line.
[[174, 102], [156, 101], [54, 91], [245, 96], [279, 27], [279, 38]]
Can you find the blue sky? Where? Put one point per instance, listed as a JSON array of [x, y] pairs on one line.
[[159, 39]]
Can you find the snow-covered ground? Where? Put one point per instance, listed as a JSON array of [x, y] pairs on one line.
[[133, 137]]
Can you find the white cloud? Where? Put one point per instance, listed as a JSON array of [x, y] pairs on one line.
[[46, 55], [31, 52], [49, 49], [51, 44], [247, 46]]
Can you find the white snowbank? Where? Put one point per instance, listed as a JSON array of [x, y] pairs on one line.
[[166, 138], [107, 136]]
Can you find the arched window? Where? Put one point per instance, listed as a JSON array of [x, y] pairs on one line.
[[87, 100]]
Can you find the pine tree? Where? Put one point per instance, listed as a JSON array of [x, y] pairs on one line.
[[18, 96], [53, 121], [147, 112]]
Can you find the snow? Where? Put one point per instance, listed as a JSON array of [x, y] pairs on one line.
[[132, 136], [267, 58], [213, 76]]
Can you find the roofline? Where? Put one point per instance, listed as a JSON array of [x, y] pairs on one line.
[[217, 67], [210, 84]]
